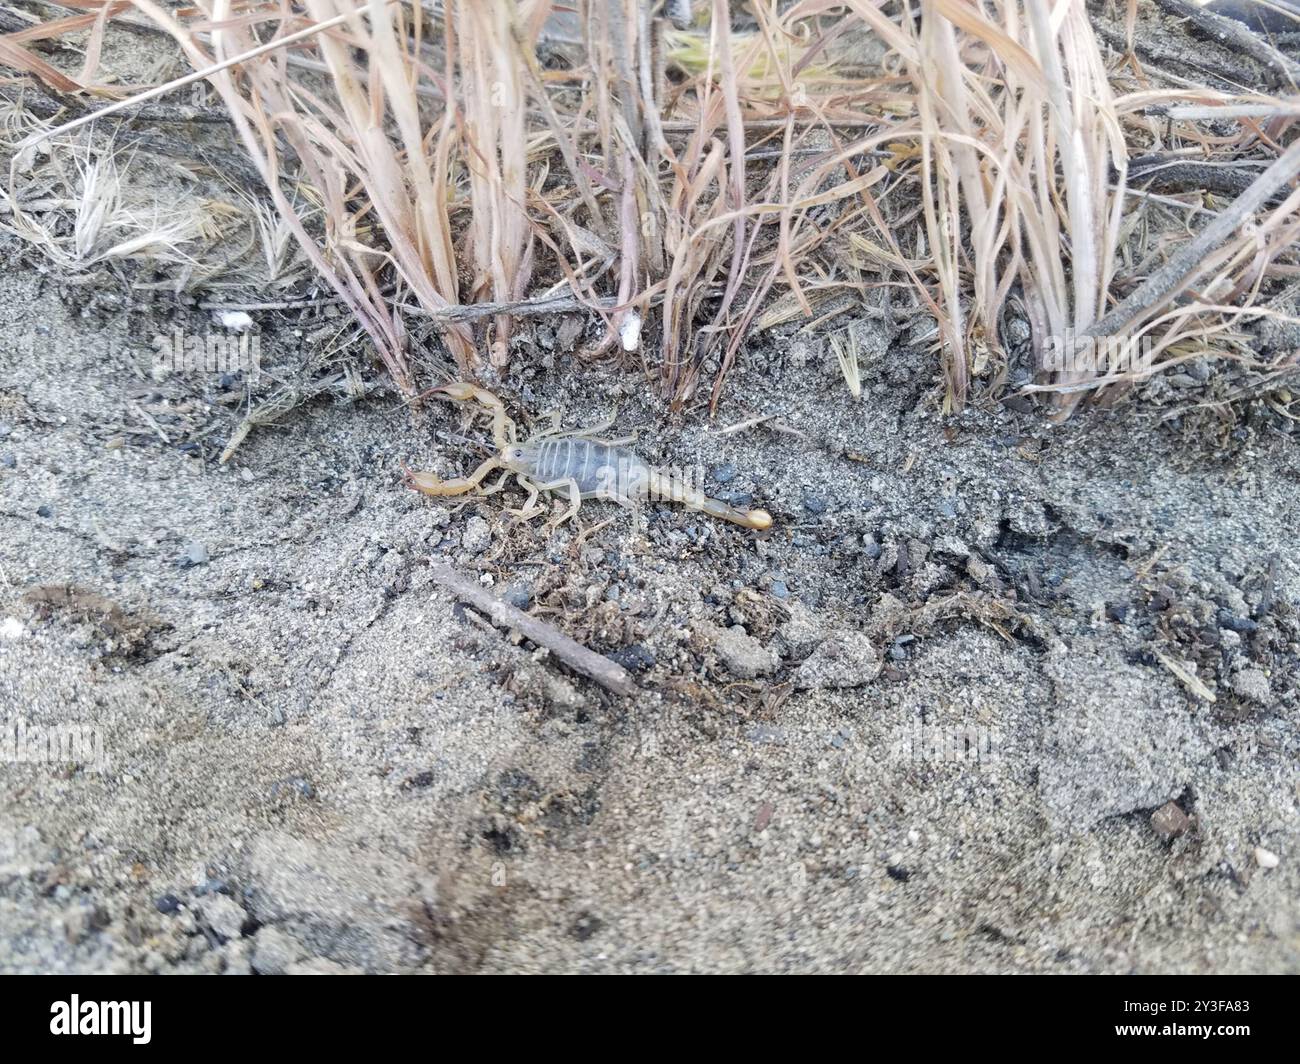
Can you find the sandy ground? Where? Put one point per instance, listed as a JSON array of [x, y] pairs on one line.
[[301, 755], [315, 760]]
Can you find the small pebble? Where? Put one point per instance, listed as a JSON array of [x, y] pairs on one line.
[[634, 658], [743, 655], [1265, 858], [168, 904], [274, 951], [814, 505], [1252, 685], [1243, 625], [224, 916], [195, 554], [724, 474], [1169, 821], [44, 511], [766, 734], [296, 783], [519, 596]]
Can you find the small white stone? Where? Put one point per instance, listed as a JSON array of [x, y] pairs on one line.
[[1265, 858], [11, 628], [235, 320], [629, 333]]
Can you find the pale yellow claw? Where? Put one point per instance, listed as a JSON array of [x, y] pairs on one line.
[[503, 429], [432, 485]]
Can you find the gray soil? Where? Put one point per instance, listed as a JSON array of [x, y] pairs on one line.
[[314, 759]]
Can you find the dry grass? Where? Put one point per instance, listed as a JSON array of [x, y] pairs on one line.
[[104, 224], [709, 169]]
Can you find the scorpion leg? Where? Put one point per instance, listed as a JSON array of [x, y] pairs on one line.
[[501, 483], [553, 416], [432, 485], [530, 508], [575, 504], [595, 432], [575, 499], [587, 533]]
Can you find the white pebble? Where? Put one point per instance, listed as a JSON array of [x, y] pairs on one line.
[[11, 628], [236, 320], [1265, 858], [629, 333]]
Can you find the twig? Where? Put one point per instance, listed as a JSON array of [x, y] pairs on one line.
[[522, 308], [44, 104], [608, 674], [1199, 112], [286, 400], [1156, 52], [519, 308], [149, 420], [1165, 281], [1186, 675], [741, 426], [283, 304], [1236, 38], [1168, 173]]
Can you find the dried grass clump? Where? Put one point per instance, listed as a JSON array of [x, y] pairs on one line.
[[89, 189], [691, 172], [1019, 132], [1025, 182]]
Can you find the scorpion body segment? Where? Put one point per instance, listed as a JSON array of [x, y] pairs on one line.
[[599, 469], [578, 465]]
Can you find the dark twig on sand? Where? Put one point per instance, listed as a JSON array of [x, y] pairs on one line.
[[559, 304], [1164, 282], [1237, 38], [536, 307], [1170, 173], [607, 673]]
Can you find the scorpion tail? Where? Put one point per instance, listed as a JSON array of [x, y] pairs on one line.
[[759, 520], [674, 489]]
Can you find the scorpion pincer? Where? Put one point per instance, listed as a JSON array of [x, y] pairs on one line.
[[581, 465]]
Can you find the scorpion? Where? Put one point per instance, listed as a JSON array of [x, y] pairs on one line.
[[580, 464]]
